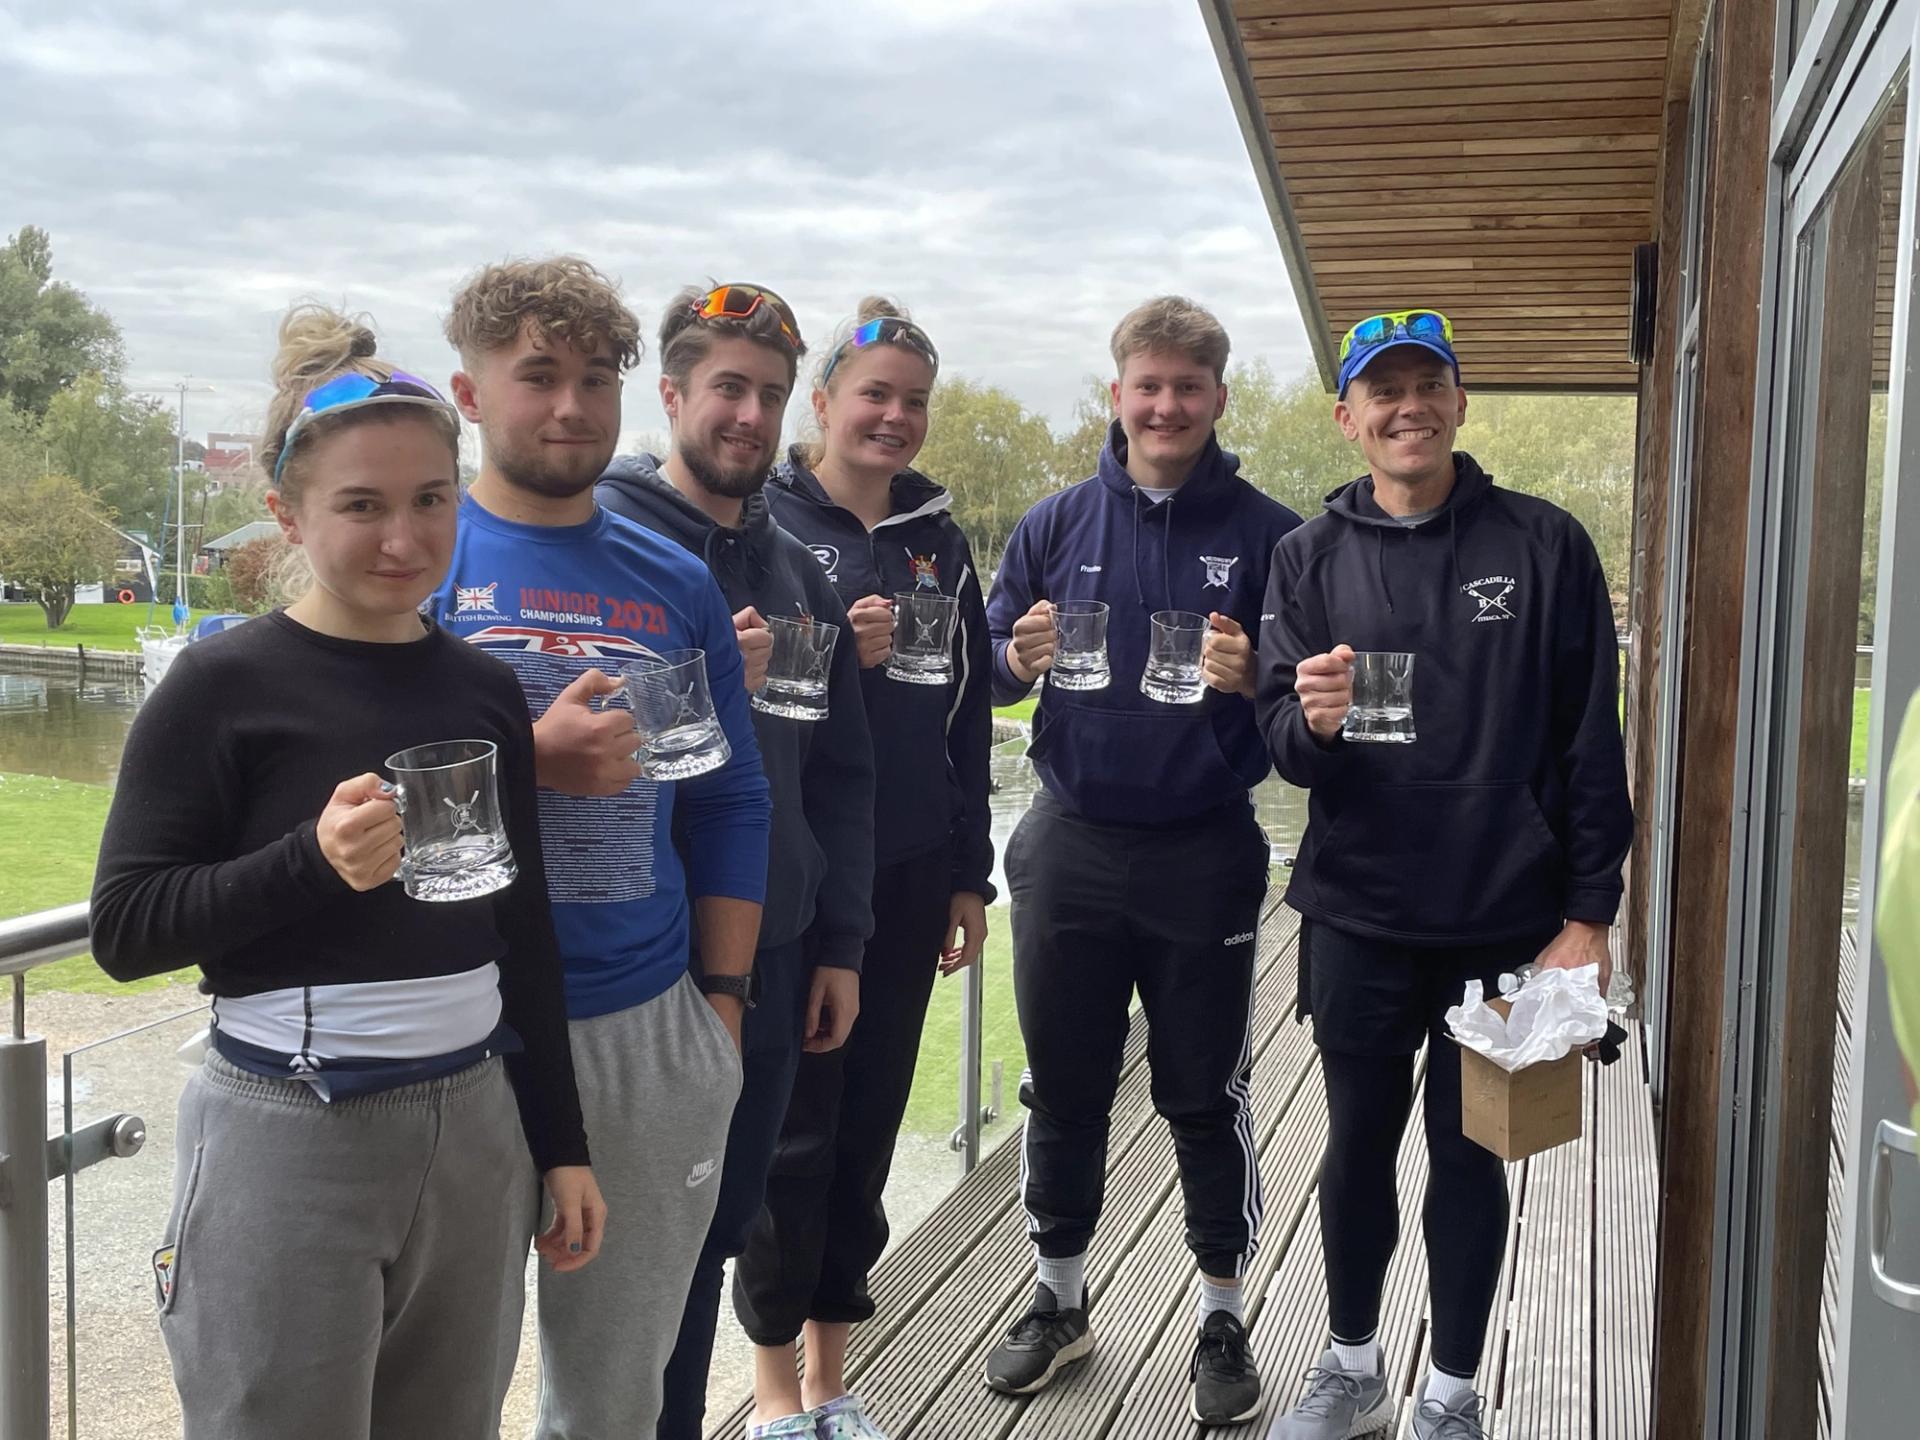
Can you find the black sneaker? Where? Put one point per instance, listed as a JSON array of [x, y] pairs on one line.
[[1226, 1382], [1041, 1344]]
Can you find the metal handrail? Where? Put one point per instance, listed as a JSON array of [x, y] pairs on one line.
[[29, 941], [29, 1161]]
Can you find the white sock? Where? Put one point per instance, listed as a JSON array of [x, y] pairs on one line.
[[1230, 1298], [1446, 1388], [1358, 1357], [1066, 1278]]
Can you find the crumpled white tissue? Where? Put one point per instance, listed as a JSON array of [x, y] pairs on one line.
[[1554, 1013]]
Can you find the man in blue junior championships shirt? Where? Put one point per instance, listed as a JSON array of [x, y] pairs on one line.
[[1140, 864], [566, 593]]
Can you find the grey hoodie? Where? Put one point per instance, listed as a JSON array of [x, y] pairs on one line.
[[820, 870]]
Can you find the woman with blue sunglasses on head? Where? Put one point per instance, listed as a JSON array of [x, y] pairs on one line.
[[902, 566], [354, 1178]]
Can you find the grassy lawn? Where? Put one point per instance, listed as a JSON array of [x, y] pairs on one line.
[[49, 836], [1862, 700], [1019, 710], [934, 1107], [98, 627]]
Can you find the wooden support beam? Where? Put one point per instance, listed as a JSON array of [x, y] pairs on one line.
[[1653, 484], [1730, 337]]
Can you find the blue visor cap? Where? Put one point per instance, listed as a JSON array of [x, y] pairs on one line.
[[1360, 356]]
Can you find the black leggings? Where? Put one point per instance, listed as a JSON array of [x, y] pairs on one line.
[[1369, 1098]]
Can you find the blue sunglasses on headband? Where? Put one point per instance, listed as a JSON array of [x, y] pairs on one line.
[[354, 391]]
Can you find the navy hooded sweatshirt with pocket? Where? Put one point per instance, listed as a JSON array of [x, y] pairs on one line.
[[1113, 756], [932, 744], [820, 871], [1508, 814]]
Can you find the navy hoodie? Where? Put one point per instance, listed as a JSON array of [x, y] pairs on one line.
[[931, 744], [820, 871], [1509, 813], [1113, 756]]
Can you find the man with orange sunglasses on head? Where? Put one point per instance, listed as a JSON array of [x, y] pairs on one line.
[[1490, 838]]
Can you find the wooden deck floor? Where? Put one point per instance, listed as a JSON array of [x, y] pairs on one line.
[[1837, 1169], [1571, 1342]]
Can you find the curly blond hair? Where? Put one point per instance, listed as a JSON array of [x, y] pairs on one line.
[[564, 298]]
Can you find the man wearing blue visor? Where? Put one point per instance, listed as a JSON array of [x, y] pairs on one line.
[[1490, 837]]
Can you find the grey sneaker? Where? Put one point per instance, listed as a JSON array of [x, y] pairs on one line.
[[1464, 1419], [1337, 1404]]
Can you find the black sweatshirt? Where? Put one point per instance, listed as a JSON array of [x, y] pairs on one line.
[[820, 856], [921, 733], [210, 856], [1509, 813]]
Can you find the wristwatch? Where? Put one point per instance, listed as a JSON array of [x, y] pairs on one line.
[[744, 988]]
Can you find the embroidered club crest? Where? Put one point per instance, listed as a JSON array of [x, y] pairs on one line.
[[926, 574], [1219, 569]]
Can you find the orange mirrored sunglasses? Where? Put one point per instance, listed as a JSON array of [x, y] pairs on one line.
[[737, 302]]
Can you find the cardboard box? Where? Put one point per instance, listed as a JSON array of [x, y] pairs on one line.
[[1517, 1113]]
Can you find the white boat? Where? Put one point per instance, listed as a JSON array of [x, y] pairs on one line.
[[157, 651]]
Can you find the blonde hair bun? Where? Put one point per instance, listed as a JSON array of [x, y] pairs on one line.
[[317, 341], [879, 307]]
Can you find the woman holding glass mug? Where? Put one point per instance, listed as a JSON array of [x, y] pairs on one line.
[[884, 534], [352, 1197]]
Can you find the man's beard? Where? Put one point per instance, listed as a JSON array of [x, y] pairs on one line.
[[527, 474], [740, 483]]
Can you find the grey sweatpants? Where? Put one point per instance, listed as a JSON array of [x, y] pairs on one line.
[[344, 1271], [657, 1086]]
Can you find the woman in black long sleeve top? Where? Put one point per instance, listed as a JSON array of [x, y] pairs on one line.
[[352, 1197]]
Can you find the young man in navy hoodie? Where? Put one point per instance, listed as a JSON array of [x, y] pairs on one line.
[[725, 382], [1140, 864], [1493, 840]]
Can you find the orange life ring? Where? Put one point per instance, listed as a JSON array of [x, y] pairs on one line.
[[126, 597]]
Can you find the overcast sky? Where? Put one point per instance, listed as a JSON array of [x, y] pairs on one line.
[[1019, 172]]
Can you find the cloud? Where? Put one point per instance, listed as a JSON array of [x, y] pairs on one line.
[[1019, 172]]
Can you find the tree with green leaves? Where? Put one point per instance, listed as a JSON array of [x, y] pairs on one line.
[[50, 333], [121, 448], [993, 455], [54, 538]]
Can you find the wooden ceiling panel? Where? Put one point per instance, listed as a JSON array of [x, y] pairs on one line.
[[1493, 158]]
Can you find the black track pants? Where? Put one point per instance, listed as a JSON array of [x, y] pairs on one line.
[[1098, 912]]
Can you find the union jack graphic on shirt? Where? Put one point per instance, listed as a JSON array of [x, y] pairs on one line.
[[474, 597]]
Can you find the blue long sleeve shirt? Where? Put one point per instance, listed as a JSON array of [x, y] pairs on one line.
[[554, 602]]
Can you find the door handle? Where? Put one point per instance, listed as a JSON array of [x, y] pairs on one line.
[[1900, 1294]]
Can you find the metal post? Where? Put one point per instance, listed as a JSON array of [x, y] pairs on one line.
[[972, 1004], [180, 515], [24, 1354]]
